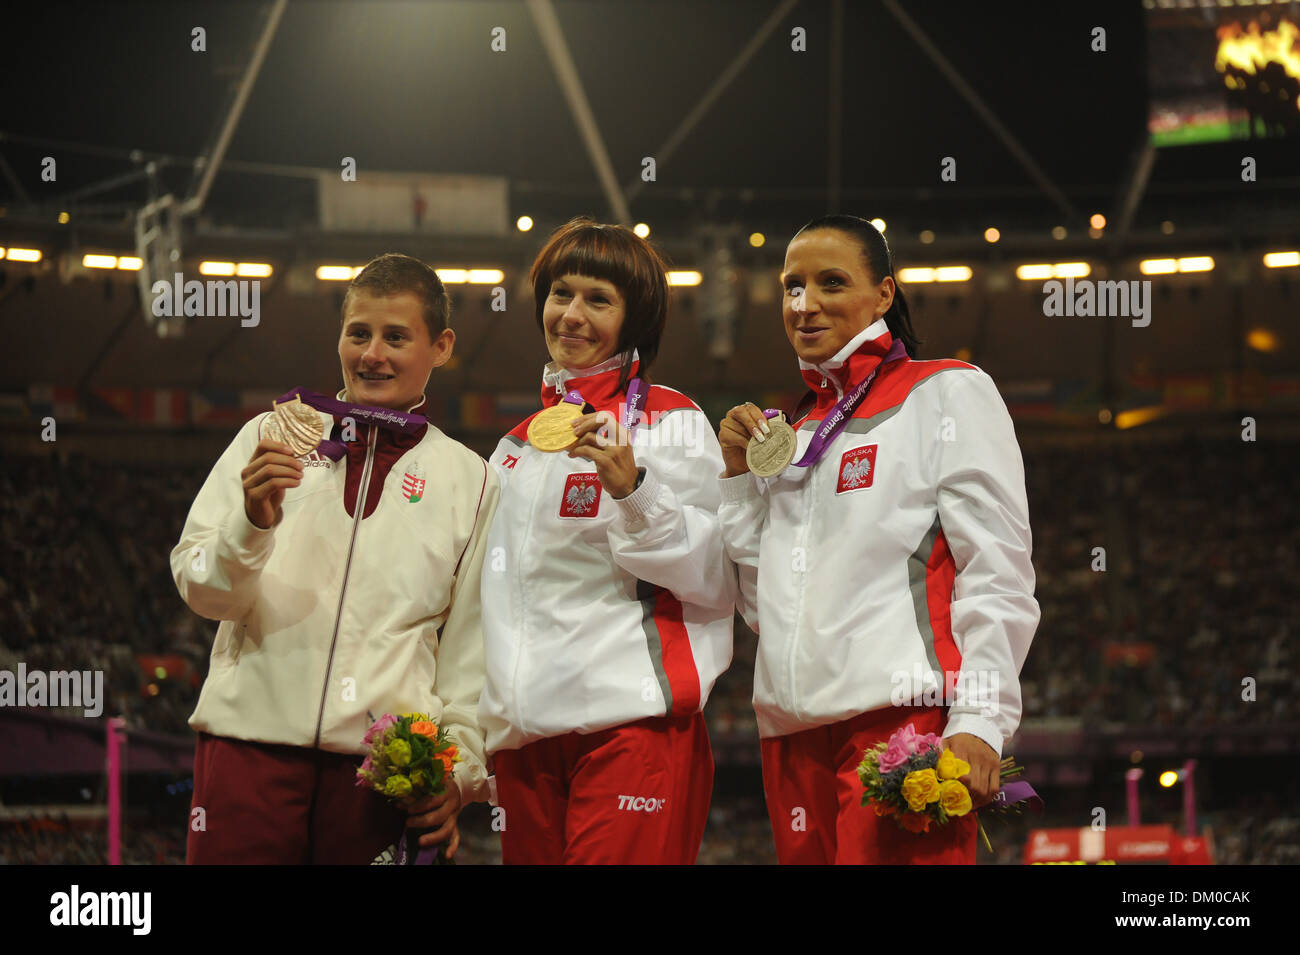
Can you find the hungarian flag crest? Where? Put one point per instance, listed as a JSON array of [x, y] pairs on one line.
[[413, 483]]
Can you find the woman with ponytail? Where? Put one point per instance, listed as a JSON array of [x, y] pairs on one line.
[[886, 567]]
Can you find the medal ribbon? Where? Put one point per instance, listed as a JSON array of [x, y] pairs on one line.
[[1018, 791], [836, 421], [636, 396], [366, 414]]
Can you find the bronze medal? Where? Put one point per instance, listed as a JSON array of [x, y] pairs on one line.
[[297, 425], [773, 455]]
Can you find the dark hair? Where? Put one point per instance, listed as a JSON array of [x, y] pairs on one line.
[[617, 254], [880, 263], [394, 274]]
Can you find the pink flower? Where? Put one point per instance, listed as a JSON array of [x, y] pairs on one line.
[[906, 737], [366, 766], [377, 728], [927, 742], [895, 755]]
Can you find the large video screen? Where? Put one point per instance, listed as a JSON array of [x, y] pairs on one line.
[[1220, 73]]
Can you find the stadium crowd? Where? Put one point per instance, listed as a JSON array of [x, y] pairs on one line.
[[1189, 624]]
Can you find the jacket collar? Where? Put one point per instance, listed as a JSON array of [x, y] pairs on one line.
[[400, 438], [598, 384], [417, 408], [859, 357]]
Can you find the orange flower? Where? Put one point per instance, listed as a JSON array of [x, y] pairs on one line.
[[886, 809], [425, 728], [448, 763], [915, 822]]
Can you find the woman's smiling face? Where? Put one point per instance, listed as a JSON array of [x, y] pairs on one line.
[[830, 294], [581, 320], [386, 352]]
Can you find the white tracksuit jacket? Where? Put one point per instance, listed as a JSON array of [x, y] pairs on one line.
[[341, 611], [897, 568], [599, 612]]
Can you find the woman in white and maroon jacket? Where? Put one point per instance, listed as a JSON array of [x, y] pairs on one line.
[[607, 597], [890, 579]]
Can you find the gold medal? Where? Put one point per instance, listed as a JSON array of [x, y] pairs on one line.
[[297, 425], [774, 453], [552, 429]]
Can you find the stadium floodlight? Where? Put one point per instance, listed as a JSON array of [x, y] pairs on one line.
[[216, 268], [337, 273], [453, 276], [1158, 266], [93, 261], [129, 263], [1281, 260], [24, 255], [253, 270], [1033, 273], [944, 273], [1058, 270], [524, 223], [486, 276], [641, 229], [1196, 263], [879, 224], [685, 278]]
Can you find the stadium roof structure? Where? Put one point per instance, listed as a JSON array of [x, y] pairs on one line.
[[747, 121], [759, 114]]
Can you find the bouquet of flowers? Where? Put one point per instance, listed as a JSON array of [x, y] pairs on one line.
[[410, 758], [917, 781]]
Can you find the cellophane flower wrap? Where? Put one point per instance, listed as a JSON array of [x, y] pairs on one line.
[[409, 758]]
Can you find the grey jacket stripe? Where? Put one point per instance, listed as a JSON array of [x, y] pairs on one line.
[[863, 425], [916, 583], [654, 643], [517, 442]]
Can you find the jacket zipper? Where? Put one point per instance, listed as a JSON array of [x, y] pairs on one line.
[[521, 628], [804, 527], [347, 567]]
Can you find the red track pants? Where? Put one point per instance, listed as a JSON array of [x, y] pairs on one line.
[[814, 797], [265, 804], [637, 793]]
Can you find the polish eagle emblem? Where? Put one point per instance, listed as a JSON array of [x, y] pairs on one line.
[[580, 498], [856, 472]]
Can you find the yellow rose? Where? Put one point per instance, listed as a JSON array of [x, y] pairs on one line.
[[397, 786], [950, 767], [920, 788], [399, 751], [954, 798]]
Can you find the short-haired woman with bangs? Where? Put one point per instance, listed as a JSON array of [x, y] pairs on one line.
[[607, 599]]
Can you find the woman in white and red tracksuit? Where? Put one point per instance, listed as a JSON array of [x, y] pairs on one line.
[[607, 597], [890, 581]]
